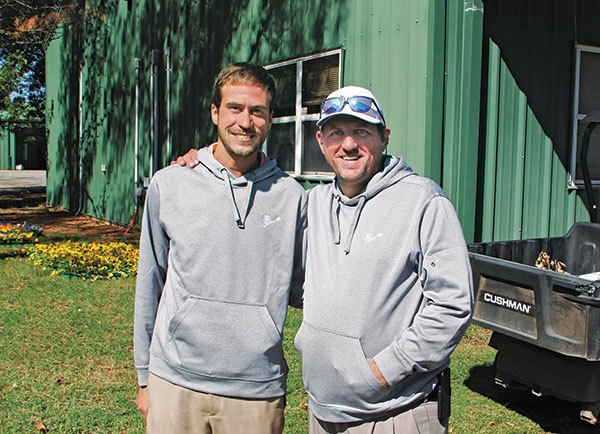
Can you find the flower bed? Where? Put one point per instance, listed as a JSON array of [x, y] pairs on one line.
[[87, 260], [21, 233]]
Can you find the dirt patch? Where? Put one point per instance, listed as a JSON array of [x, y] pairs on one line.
[[59, 223]]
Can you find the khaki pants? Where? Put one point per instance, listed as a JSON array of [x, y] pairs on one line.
[[422, 419], [177, 410]]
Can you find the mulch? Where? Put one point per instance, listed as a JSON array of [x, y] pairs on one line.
[[31, 207]]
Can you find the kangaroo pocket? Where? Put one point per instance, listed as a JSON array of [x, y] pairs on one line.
[[335, 369], [225, 340]]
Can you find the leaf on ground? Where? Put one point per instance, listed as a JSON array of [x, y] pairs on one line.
[[40, 427]]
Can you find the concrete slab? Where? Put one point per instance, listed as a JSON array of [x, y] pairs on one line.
[[17, 180]]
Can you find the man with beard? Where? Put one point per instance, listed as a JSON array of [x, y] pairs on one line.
[[221, 257], [388, 291]]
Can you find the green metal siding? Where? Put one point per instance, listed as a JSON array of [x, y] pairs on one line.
[[501, 150], [464, 29], [538, 172], [525, 187], [108, 105], [491, 145], [526, 118], [511, 148], [61, 116], [387, 51], [396, 48], [7, 149]]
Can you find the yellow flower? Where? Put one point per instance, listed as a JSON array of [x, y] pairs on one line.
[[87, 260]]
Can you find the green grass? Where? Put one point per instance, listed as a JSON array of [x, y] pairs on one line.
[[296, 412], [66, 359], [479, 406], [66, 362], [66, 365]]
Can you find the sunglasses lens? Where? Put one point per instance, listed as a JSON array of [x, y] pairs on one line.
[[332, 105], [360, 104]]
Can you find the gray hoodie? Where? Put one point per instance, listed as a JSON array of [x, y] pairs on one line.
[[387, 277], [220, 259]]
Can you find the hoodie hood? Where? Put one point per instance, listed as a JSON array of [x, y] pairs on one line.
[[394, 170], [240, 188]]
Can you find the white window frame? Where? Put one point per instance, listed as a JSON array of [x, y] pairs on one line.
[[575, 182], [298, 118]]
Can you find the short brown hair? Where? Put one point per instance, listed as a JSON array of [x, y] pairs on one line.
[[245, 73]]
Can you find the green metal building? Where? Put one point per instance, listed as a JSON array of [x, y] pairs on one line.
[[7, 148], [22, 144], [479, 95]]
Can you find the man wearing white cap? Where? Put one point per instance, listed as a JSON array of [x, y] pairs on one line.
[[388, 290]]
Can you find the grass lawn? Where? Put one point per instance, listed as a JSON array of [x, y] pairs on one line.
[[66, 364]]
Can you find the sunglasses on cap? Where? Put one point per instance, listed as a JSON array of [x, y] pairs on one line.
[[358, 104]]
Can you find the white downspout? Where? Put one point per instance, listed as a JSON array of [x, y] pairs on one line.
[[136, 139], [79, 209], [168, 71], [136, 143]]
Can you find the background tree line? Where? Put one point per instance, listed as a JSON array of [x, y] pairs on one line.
[[26, 27]]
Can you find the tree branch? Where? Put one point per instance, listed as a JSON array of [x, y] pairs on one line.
[[24, 4]]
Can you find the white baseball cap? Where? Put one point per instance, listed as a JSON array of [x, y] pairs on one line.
[[352, 101]]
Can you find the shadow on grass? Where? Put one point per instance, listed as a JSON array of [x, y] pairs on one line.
[[552, 414], [22, 199], [11, 252], [50, 238]]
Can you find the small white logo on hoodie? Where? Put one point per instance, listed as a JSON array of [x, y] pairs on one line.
[[268, 220], [370, 237]]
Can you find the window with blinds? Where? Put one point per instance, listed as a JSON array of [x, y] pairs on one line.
[[302, 84], [320, 77]]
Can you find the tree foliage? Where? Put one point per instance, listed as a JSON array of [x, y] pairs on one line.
[[25, 27]]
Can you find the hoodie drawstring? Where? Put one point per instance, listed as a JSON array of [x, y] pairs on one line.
[[335, 215], [393, 171], [350, 237], [241, 222]]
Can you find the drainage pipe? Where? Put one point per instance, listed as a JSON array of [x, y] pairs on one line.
[[154, 153], [80, 148], [136, 142], [168, 78]]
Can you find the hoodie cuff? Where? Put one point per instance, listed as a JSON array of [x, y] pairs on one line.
[[142, 377], [393, 368]]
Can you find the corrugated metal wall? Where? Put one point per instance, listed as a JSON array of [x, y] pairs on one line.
[[389, 49], [7, 148], [203, 37], [397, 48], [462, 88], [487, 136], [527, 98], [23, 143]]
